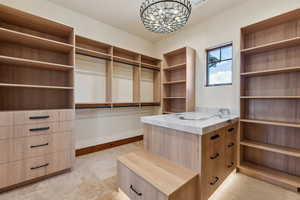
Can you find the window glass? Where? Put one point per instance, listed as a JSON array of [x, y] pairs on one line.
[[219, 66]]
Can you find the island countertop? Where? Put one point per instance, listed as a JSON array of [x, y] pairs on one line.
[[193, 122]]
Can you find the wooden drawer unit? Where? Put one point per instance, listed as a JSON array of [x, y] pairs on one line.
[[143, 176], [213, 160], [17, 172], [6, 118], [231, 148]]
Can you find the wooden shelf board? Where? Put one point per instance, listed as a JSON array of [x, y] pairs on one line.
[[33, 63], [286, 124], [92, 105], [125, 60], [126, 104], [273, 148], [34, 41], [174, 82], [35, 86], [150, 66], [150, 103], [272, 46], [174, 97], [89, 52], [175, 67], [271, 71], [270, 97], [270, 174]]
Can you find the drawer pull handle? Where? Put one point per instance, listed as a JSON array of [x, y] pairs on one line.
[[215, 156], [134, 190], [40, 166], [231, 130], [215, 137], [231, 165], [215, 181], [231, 144], [40, 145], [39, 129], [40, 117]]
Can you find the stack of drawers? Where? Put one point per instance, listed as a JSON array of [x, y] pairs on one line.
[[219, 157], [34, 144]]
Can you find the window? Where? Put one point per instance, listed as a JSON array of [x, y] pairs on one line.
[[219, 66]]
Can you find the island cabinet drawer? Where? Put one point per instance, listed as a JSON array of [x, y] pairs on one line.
[[135, 187], [17, 172], [29, 147], [6, 132]]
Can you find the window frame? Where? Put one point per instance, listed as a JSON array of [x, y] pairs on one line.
[[207, 70]]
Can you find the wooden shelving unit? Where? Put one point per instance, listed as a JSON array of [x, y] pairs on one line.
[[270, 101], [110, 68], [36, 62], [178, 81]]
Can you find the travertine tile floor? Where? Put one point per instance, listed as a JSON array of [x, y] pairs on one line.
[[94, 178]]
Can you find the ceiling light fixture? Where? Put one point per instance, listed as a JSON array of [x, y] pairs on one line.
[[165, 16]]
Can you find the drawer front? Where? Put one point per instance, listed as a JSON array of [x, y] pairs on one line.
[[30, 147], [36, 129], [33, 117], [231, 133], [24, 170], [6, 118], [66, 115], [135, 187], [6, 132]]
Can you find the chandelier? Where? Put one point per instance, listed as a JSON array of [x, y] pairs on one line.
[[165, 16]]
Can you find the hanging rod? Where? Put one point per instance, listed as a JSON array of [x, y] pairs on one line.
[[135, 65], [150, 68], [83, 54]]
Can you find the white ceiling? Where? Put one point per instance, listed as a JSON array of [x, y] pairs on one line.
[[124, 14]]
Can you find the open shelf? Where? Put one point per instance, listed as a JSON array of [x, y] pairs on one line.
[[178, 80], [271, 147], [33, 63], [92, 105], [270, 97], [174, 82], [265, 173], [33, 41], [175, 67], [272, 46], [35, 86], [271, 71], [284, 124]]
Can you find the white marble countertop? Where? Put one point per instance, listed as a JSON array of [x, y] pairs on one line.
[[193, 122]]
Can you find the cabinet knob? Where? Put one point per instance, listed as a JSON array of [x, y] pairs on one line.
[[215, 137], [40, 117], [231, 144], [231, 130], [215, 156], [231, 165], [216, 179]]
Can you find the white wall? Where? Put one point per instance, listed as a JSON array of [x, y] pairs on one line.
[[223, 28], [95, 126]]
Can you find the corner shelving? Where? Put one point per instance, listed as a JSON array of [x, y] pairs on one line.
[[269, 100], [36, 62], [178, 81]]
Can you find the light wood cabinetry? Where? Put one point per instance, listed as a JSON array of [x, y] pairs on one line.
[[213, 156], [36, 97], [178, 81], [269, 147], [112, 68], [145, 176]]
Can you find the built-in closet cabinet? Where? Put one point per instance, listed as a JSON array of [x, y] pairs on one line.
[[110, 77], [36, 97], [270, 97]]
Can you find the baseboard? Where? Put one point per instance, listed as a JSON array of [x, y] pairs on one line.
[[100, 147]]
